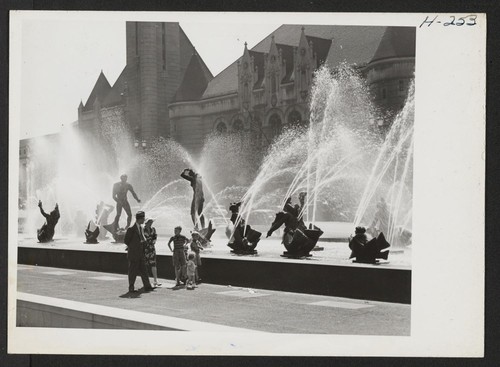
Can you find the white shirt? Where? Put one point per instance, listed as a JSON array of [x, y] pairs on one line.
[[141, 233]]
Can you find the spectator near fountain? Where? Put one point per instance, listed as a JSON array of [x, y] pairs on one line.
[[150, 250], [46, 233], [196, 247], [368, 251], [198, 197], [191, 272], [297, 238], [136, 242], [120, 191], [178, 254]]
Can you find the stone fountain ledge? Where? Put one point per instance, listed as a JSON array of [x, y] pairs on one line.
[[269, 250]]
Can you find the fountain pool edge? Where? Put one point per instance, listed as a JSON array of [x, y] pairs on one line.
[[368, 282]]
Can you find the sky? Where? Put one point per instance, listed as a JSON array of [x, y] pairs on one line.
[[62, 59]]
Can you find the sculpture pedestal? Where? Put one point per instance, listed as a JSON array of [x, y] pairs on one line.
[[119, 236], [370, 252], [295, 255], [244, 252], [206, 234], [117, 233], [302, 242]]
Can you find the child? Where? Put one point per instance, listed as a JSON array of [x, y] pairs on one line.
[[191, 271], [178, 257], [196, 246]]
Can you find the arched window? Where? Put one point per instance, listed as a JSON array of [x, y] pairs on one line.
[[294, 118], [238, 125], [221, 127], [275, 124]]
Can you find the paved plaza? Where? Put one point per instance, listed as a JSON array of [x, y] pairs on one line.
[[219, 305]]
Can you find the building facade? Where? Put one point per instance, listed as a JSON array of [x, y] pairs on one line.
[[167, 90], [268, 87], [158, 55]]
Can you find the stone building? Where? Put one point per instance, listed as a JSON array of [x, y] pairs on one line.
[[158, 55], [268, 86], [166, 89]]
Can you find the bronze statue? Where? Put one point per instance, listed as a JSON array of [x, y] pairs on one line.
[[297, 238], [242, 238], [198, 197], [368, 251], [46, 233]]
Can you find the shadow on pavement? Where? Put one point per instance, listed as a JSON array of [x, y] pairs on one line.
[[177, 287], [136, 294]]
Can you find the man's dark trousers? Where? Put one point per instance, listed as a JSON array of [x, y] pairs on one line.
[[135, 268]]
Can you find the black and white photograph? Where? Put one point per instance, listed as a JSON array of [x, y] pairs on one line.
[[228, 174]]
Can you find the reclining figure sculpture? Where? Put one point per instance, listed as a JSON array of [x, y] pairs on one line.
[[117, 233], [298, 239], [206, 234], [368, 251], [242, 238]]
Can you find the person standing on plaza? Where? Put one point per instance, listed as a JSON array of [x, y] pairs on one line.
[[135, 241], [191, 271], [178, 256], [150, 250], [196, 247], [120, 191]]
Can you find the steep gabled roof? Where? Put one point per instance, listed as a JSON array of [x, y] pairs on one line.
[[195, 80], [114, 96], [100, 90], [331, 44], [185, 38], [396, 42], [258, 62], [224, 83], [354, 45]]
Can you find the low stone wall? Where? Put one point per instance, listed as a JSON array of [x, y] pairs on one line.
[[37, 311], [358, 281], [40, 311]]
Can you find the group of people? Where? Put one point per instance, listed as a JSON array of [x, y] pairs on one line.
[[186, 265], [140, 239]]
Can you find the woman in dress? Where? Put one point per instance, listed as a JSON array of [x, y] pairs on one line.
[[149, 250]]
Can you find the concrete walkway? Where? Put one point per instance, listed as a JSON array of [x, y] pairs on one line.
[[233, 307]]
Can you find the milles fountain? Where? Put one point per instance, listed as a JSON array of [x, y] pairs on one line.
[[337, 168]]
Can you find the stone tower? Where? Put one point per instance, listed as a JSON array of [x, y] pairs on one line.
[[157, 57]]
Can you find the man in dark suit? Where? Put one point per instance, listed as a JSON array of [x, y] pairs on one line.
[[135, 241]]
